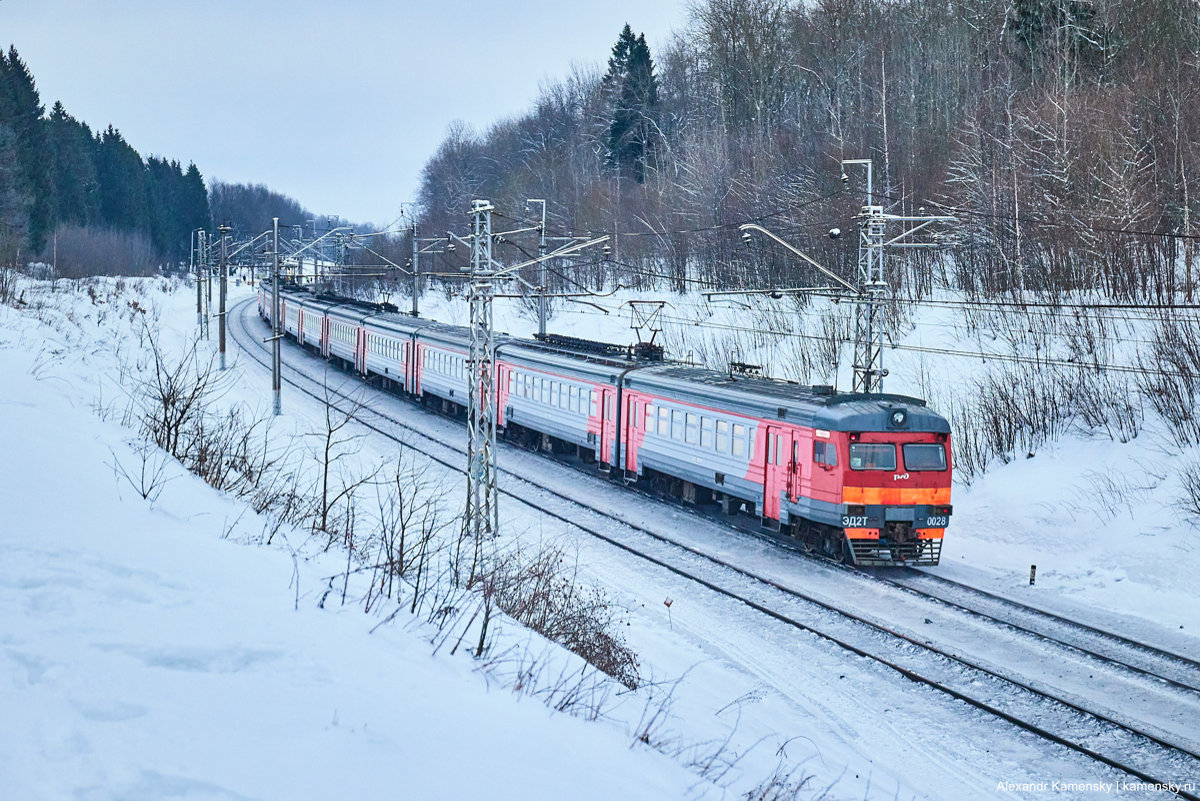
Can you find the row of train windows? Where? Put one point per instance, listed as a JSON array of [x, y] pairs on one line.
[[386, 346], [696, 429], [444, 363], [554, 393], [343, 333]]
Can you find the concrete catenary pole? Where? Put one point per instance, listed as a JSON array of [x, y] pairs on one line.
[[224, 230], [276, 326]]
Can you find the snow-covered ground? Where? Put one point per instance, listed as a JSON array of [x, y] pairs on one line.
[[148, 654], [144, 653]]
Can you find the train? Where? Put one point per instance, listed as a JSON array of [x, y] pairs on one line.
[[861, 478]]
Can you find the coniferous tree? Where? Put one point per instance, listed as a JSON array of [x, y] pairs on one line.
[[73, 168], [124, 202], [195, 208], [632, 91], [21, 110], [15, 203]]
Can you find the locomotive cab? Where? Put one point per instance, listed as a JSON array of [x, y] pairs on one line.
[[895, 480], [896, 497]]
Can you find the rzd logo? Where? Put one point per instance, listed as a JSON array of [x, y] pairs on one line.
[[900, 477]]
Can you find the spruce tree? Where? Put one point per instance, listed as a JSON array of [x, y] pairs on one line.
[[196, 212], [124, 202], [632, 92], [73, 169], [15, 202], [21, 110]]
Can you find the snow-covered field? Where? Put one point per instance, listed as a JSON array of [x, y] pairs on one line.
[[145, 654], [148, 651]]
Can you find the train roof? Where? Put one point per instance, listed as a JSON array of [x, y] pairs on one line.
[[534, 354], [817, 407], [399, 322], [755, 396]]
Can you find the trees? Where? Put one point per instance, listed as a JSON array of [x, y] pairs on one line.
[[1043, 120], [54, 172], [15, 202], [21, 110], [247, 208], [73, 167], [631, 89]]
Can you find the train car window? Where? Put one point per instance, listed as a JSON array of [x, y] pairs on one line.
[[706, 432], [739, 439], [921, 456], [772, 444], [825, 453], [651, 417], [723, 436], [676, 424], [872, 456], [692, 432]]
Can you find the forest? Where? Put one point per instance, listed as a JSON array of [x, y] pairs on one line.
[[1062, 135], [86, 202]]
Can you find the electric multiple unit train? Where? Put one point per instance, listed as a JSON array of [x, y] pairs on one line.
[[864, 478]]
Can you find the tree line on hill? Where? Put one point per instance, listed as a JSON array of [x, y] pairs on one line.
[[62, 184], [1063, 134], [88, 202]]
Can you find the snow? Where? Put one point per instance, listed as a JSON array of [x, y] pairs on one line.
[[150, 650], [145, 654]]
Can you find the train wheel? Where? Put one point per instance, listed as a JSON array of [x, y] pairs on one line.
[[833, 545]]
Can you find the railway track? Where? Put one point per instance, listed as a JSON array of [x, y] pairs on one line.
[[1170, 668], [1122, 745]]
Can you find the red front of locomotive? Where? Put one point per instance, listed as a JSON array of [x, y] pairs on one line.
[[896, 495]]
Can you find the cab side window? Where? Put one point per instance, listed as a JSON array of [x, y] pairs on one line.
[[825, 453]]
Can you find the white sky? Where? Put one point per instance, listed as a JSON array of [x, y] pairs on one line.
[[337, 104]]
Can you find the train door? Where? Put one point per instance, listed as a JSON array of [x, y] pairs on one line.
[[360, 350], [326, 330], [503, 384], [608, 425], [629, 433], [776, 469], [799, 467]]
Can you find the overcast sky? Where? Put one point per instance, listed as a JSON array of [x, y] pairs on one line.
[[337, 103]]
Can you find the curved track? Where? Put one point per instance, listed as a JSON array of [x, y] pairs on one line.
[[1124, 746]]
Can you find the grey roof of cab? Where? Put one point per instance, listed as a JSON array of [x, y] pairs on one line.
[[800, 404]]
